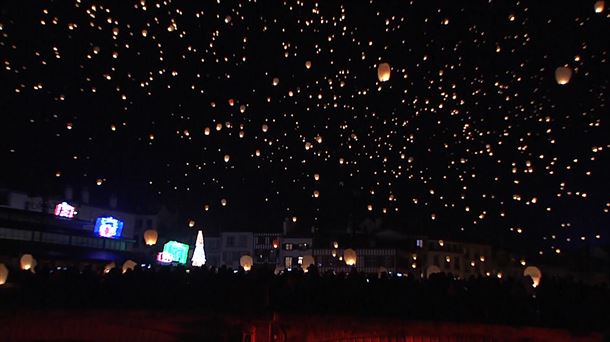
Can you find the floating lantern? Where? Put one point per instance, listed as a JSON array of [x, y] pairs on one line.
[[109, 267], [27, 262], [129, 265], [349, 255], [599, 6], [432, 269], [383, 72], [3, 274], [563, 75], [150, 237], [308, 63], [534, 273], [246, 262], [306, 262]]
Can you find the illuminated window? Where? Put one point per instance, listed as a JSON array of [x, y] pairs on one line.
[[288, 246], [288, 262]]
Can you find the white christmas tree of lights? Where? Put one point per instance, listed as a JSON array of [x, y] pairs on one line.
[[198, 259]]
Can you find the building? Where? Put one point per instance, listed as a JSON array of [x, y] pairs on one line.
[[293, 249], [233, 246], [57, 230], [458, 258], [266, 248]]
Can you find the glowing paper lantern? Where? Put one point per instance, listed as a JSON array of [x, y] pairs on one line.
[[307, 261], [432, 270], [150, 237], [534, 273], [383, 72], [599, 6], [276, 81], [223, 202], [349, 255], [265, 128], [27, 262], [227, 158], [109, 267], [563, 75], [308, 64], [3, 274], [246, 262], [129, 265]]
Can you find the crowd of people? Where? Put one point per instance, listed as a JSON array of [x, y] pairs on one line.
[[554, 303]]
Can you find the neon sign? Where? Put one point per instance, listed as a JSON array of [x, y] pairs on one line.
[[108, 227], [63, 209], [165, 258], [174, 251]]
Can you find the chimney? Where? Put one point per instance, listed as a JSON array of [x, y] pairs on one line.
[[68, 193], [113, 201], [84, 197]]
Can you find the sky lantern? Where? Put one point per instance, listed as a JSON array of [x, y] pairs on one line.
[[227, 157], [534, 273], [383, 72], [432, 269], [308, 64], [206, 131], [242, 108], [316, 176], [191, 223], [246, 262], [276, 81], [231, 102], [563, 75], [349, 255], [3, 274], [129, 265], [223, 202], [27, 262], [306, 262], [150, 237], [265, 128], [599, 6], [257, 152], [316, 193], [109, 267]]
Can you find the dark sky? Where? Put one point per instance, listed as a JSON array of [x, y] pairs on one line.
[[472, 136]]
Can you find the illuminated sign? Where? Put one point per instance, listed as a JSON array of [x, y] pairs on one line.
[[165, 258], [63, 209], [174, 251], [108, 227]]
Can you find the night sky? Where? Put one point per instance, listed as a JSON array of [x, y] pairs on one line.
[[276, 110]]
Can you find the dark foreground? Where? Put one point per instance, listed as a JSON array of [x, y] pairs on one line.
[[221, 305], [171, 326]]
